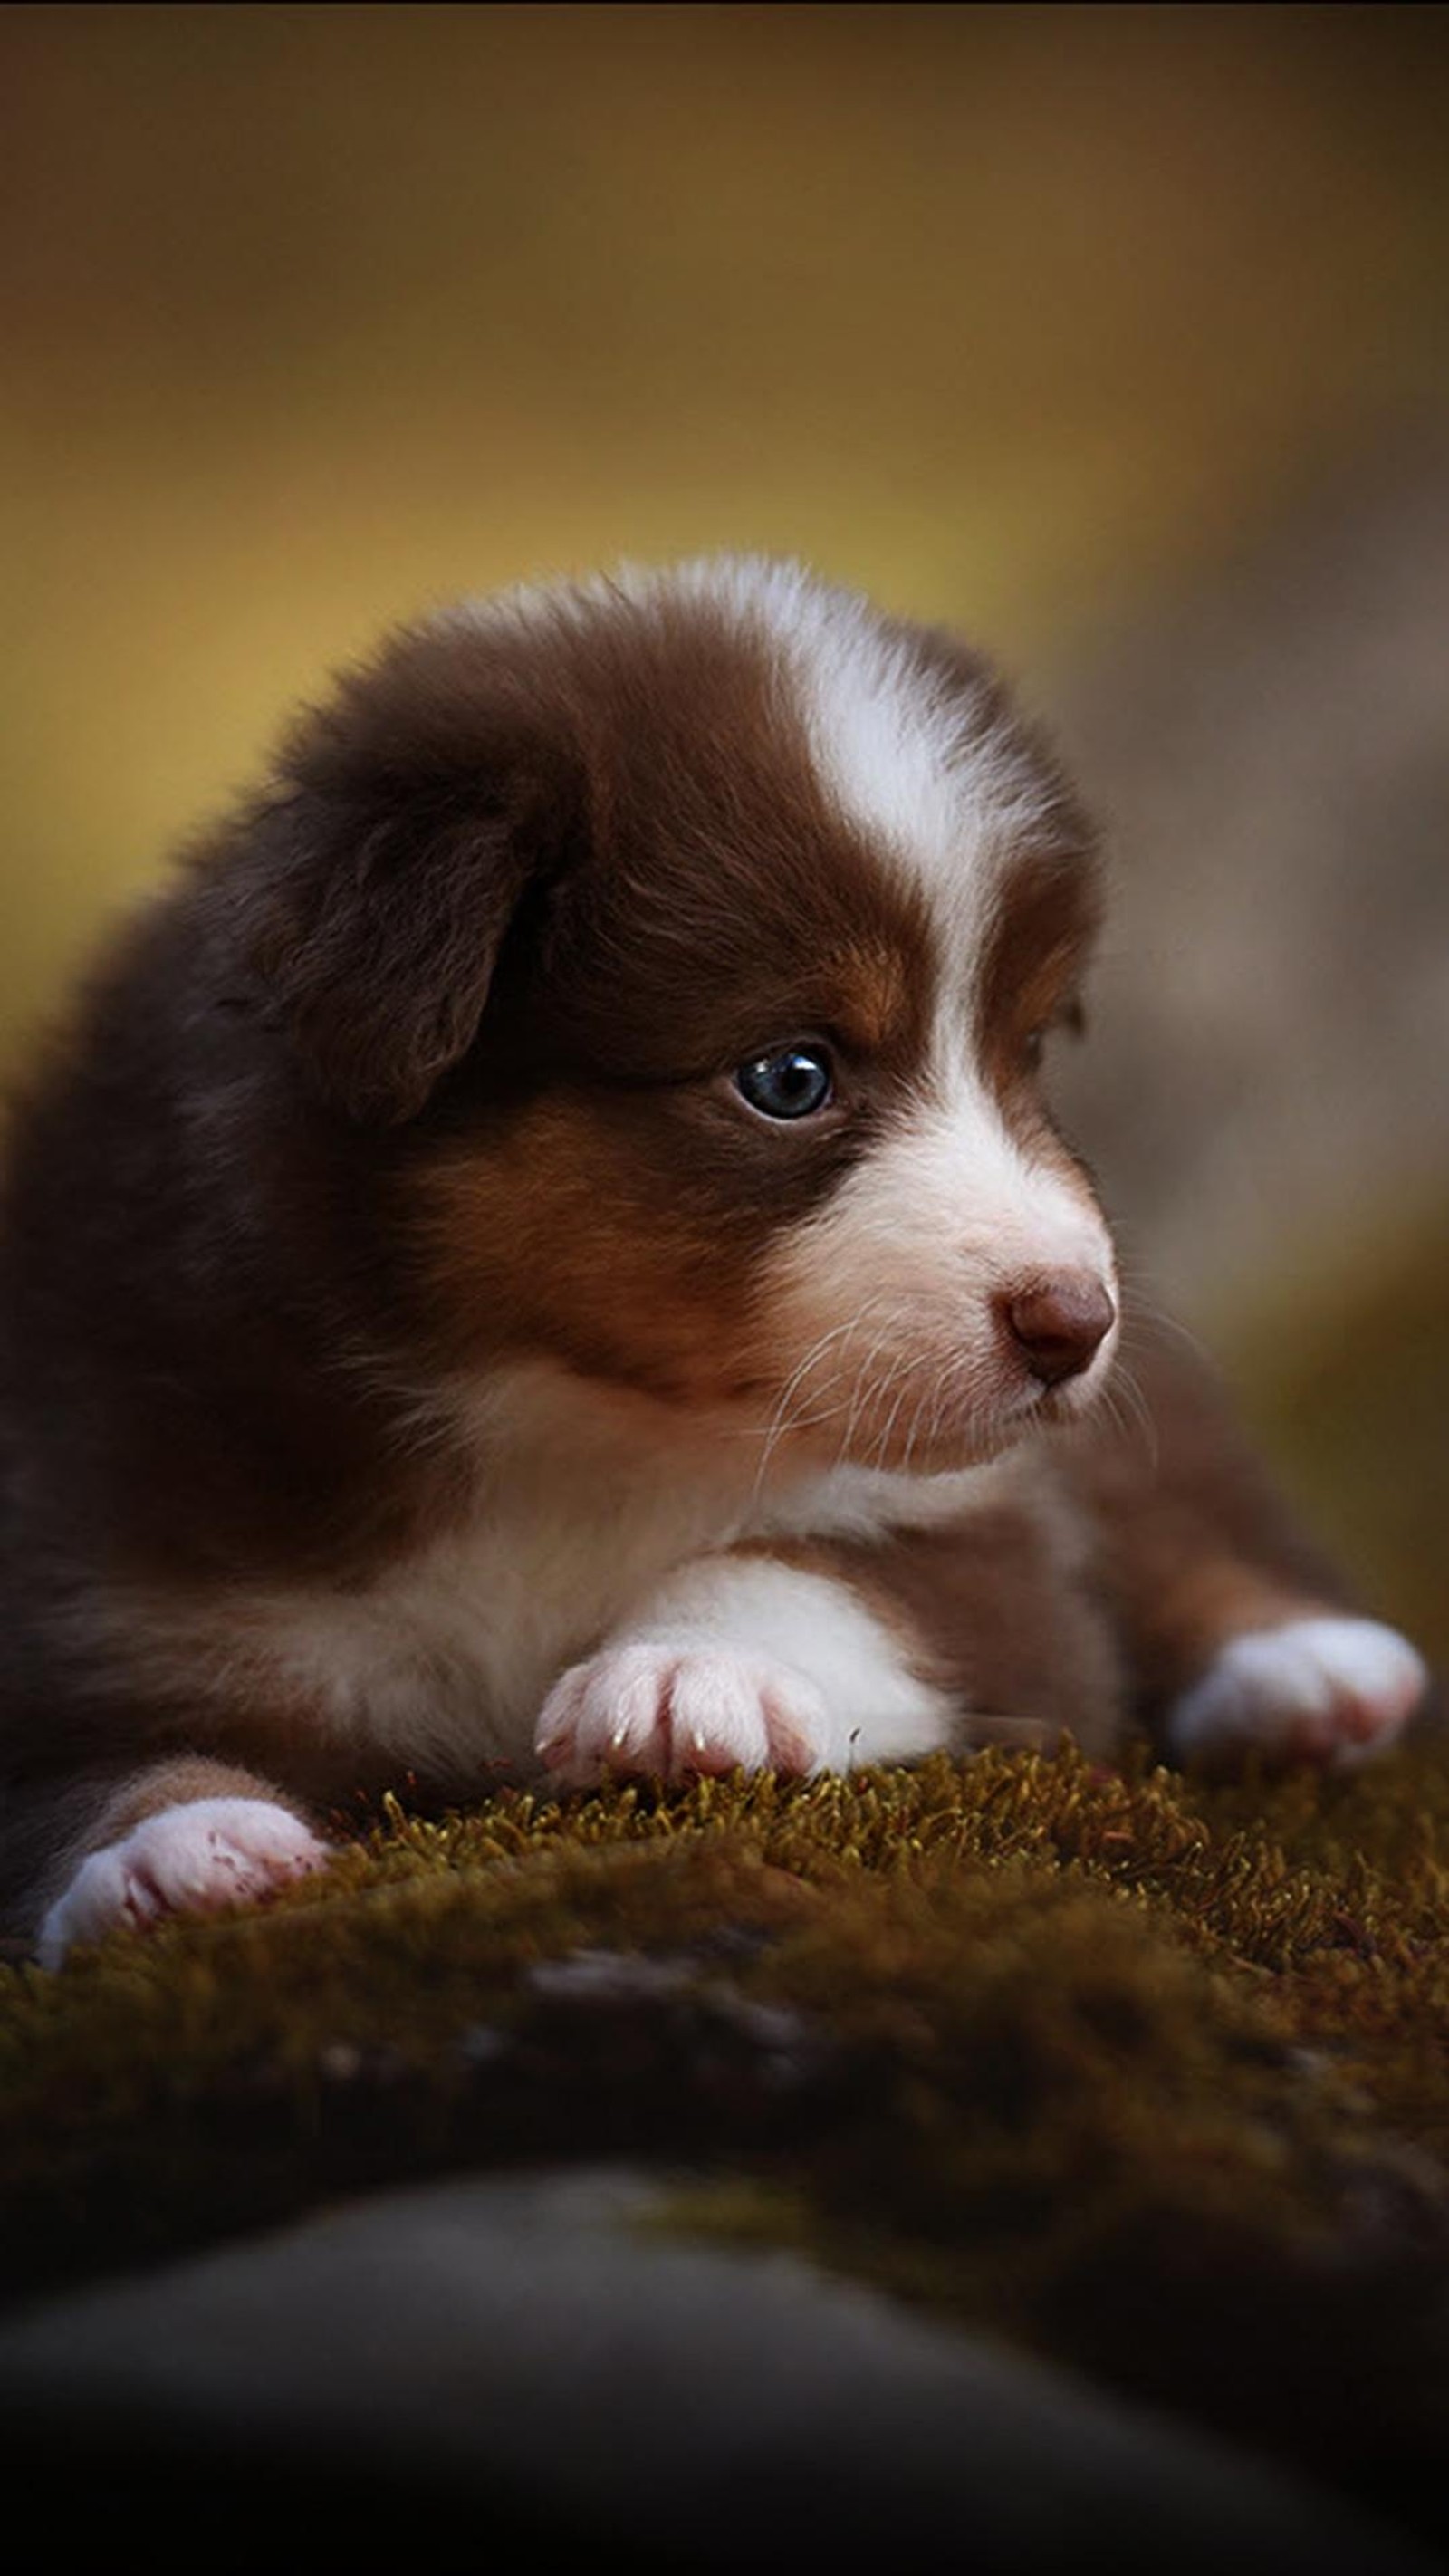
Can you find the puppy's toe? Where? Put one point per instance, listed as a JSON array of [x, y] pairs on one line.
[[667, 1711], [1328, 1690], [734, 1711], [193, 1859], [609, 1714]]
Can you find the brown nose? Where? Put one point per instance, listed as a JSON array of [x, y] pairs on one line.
[[1059, 1322]]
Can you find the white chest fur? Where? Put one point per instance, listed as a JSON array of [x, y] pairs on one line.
[[443, 1659]]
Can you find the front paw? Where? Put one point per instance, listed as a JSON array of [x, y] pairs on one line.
[[670, 1709], [1325, 1690], [194, 1859]]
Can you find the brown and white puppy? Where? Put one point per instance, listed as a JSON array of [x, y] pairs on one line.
[[547, 1253]]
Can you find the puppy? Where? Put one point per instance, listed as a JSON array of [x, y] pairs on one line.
[[546, 1254]]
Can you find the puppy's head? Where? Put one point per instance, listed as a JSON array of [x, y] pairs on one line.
[[692, 942]]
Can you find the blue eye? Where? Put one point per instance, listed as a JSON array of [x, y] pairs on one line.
[[793, 1084]]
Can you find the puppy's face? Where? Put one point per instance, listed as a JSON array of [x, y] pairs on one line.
[[762, 914]]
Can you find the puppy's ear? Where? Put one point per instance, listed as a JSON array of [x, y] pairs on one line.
[[410, 818]]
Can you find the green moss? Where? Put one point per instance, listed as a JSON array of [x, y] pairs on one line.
[[1141, 2073]]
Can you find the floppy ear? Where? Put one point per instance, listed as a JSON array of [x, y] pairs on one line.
[[411, 816]]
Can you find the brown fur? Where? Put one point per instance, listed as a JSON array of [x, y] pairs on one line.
[[424, 1066], [1195, 1545]]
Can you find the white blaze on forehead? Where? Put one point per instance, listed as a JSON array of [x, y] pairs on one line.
[[923, 766], [920, 764]]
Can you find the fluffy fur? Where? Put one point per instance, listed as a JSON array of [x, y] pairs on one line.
[[433, 1354]]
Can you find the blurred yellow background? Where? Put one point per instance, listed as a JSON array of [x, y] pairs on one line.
[[1026, 318], [316, 315]]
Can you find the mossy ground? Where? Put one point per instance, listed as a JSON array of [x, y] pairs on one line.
[[1143, 2074]]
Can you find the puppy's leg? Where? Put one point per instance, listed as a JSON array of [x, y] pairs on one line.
[[189, 1835], [749, 1659], [1238, 1632]]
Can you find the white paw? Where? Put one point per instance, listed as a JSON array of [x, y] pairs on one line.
[[216, 1852], [668, 1708], [1326, 1690]]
